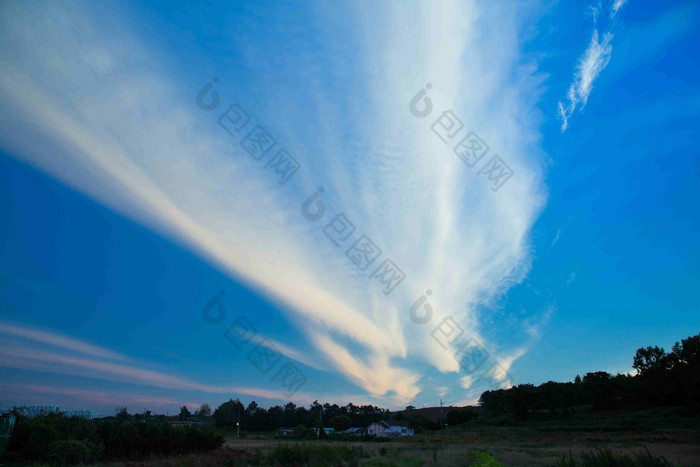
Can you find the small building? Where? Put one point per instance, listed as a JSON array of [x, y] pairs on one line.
[[355, 431], [390, 429], [187, 423], [284, 432]]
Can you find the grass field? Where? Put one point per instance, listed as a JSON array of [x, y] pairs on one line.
[[669, 436], [476, 450], [509, 446]]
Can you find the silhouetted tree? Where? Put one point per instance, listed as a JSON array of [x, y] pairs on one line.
[[122, 414], [203, 411], [228, 413], [340, 422], [650, 360], [184, 413]]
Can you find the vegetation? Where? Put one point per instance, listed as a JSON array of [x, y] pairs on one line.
[[485, 459], [663, 379], [255, 418], [457, 417], [313, 454], [610, 458], [64, 440]]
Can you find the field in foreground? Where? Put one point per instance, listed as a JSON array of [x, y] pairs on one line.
[[510, 446]]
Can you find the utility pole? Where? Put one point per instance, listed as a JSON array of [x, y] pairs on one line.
[[238, 423], [441, 423]]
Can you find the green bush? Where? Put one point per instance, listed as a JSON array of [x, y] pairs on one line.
[[458, 417], [485, 459], [68, 452]]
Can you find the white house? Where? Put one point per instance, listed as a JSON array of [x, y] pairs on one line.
[[391, 429]]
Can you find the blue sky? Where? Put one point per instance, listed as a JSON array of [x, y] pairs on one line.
[[128, 207]]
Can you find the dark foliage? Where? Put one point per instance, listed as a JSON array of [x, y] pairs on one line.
[[255, 418], [62, 440], [663, 379], [457, 417]]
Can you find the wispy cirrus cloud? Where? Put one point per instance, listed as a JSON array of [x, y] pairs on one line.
[[24, 355], [58, 340], [617, 5], [51, 362], [78, 397], [115, 132], [592, 62]]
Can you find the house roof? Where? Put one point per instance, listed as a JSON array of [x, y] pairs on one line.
[[354, 430], [388, 423]]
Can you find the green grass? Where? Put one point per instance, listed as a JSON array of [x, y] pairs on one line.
[[485, 459], [313, 455], [610, 458], [388, 463]]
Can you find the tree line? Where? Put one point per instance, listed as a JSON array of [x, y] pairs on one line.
[[662, 379], [255, 418]]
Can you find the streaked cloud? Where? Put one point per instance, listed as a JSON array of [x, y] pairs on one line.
[[617, 5], [27, 358], [82, 396], [59, 341], [23, 355], [591, 64], [116, 133]]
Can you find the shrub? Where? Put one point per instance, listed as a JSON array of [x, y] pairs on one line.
[[68, 452], [485, 459], [457, 417]]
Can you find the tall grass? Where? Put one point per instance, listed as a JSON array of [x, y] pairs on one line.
[[303, 454], [610, 458]]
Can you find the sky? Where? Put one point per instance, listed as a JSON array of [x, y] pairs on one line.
[[372, 202]]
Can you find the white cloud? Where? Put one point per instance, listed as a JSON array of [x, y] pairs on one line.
[[116, 133], [617, 4], [590, 65], [535, 325], [466, 381], [593, 61]]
